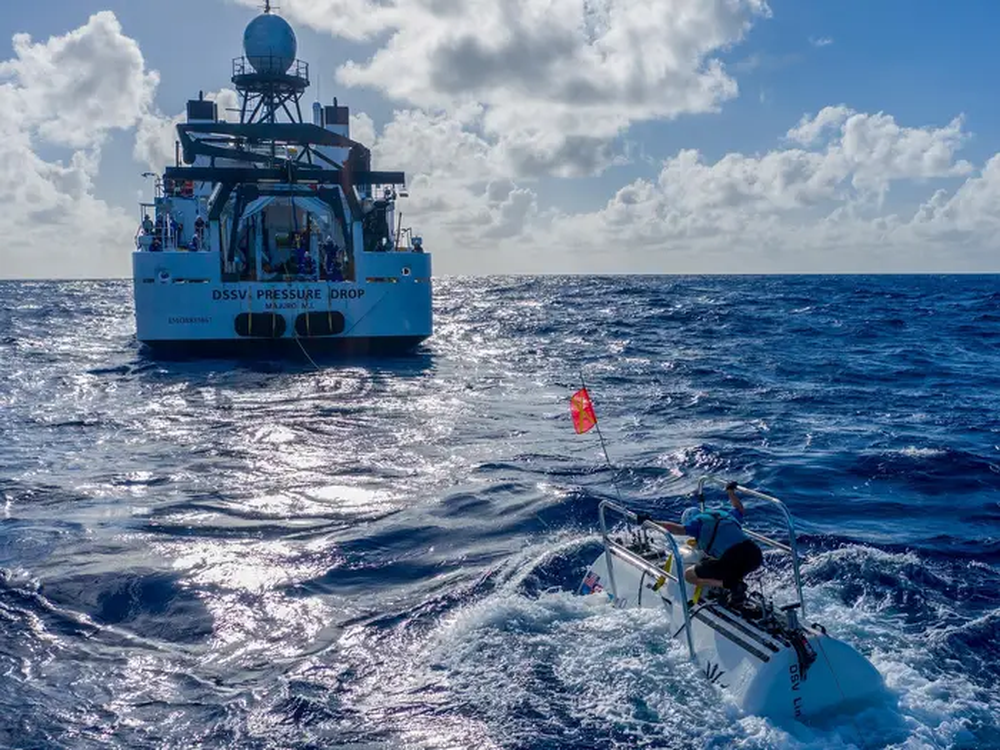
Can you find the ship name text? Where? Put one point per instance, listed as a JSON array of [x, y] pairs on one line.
[[285, 295]]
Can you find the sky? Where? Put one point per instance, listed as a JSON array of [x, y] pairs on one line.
[[545, 136]]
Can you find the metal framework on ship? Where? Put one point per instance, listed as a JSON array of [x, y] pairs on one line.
[[275, 157], [264, 94]]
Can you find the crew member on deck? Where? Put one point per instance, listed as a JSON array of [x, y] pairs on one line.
[[299, 242], [147, 224], [306, 265], [729, 553], [331, 265], [343, 263]]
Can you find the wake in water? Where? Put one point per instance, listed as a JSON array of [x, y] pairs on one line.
[[529, 664]]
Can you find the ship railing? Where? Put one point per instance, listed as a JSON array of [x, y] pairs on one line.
[[790, 549], [613, 548], [407, 242], [169, 244], [403, 238], [409, 246], [298, 69]]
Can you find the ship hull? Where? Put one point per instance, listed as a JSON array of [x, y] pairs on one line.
[[183, 310], [291, 348]]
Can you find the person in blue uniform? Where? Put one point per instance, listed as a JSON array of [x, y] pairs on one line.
[[331, 264], [729, 553]]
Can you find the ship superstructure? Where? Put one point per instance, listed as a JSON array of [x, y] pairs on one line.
[[271, 232]]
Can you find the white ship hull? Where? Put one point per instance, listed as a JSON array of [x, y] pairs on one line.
[[184, 308]]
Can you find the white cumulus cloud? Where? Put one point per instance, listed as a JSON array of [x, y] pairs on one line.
[[72, 89], [556, 81], [972, 212], [875, 150], [817, 202], [68, 92], [816, 207]]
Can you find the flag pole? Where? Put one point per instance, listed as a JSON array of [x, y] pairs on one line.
[[604, 447]]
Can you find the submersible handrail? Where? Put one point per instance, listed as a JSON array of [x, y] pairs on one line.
[[610, 544], [790, 548]]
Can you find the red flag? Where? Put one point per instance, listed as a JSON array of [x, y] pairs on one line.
[[582, 410]]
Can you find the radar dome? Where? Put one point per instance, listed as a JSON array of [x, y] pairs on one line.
[[269, 44]]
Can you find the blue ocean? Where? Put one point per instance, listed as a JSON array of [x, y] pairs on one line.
[[384, 553]]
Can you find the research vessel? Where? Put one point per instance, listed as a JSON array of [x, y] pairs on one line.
[[271, 233]]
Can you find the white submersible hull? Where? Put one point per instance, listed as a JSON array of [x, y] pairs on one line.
[[765, 657]]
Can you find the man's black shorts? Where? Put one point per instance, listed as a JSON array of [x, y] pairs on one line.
[[740, 559]]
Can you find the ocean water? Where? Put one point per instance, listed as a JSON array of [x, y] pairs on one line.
[[383, 554]]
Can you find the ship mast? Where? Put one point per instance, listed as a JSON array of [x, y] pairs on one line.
[[268, 77]]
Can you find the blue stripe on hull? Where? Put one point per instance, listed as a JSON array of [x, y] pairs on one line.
[[375, 346]]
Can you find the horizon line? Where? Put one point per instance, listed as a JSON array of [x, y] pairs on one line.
[[4, 280]]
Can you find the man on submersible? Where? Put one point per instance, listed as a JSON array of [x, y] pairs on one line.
[[729, 553]]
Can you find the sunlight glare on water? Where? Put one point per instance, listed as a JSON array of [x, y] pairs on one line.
[[384, 553]]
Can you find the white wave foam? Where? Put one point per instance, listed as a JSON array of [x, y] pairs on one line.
[[509, 671], [914, 452]]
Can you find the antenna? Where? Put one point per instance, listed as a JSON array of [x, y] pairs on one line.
[[267, 6]]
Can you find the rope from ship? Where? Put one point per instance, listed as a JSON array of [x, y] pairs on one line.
[[299, 342], [843, 697], [370, 310], [249, 314], [329, 314]]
